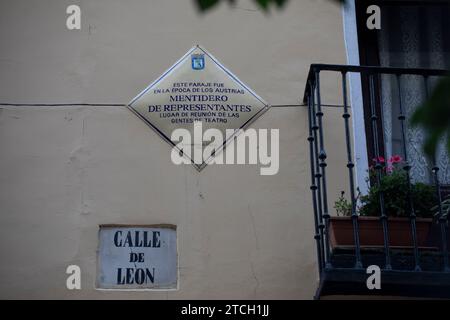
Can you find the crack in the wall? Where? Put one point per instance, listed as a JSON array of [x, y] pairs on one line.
[[77, 173], [255, 289]]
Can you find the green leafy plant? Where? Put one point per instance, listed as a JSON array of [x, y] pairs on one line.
[[445, 207], [434, 116], [397, 192], [343, 206], [205, 5], [263, 4]]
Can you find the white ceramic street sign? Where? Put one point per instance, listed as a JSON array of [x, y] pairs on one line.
[[197, 88], [137, 257]]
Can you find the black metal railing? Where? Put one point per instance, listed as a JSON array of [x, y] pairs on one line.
[[371, 78]]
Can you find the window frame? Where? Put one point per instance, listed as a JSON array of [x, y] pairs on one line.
[[362, 49]]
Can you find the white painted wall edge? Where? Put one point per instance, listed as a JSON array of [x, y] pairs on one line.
[[359, 132]]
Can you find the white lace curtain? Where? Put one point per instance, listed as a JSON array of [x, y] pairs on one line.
[[412, 36]]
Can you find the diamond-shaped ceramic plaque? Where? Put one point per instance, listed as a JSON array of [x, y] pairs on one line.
[[198, 88]]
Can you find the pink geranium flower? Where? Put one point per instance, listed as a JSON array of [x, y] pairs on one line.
[[395, 159], [379, 159]]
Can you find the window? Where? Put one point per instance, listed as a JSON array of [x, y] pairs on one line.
[[414, 34]]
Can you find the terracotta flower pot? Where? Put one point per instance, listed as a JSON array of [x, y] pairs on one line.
[[371, 232]]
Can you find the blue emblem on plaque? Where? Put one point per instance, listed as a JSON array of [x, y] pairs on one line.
[[198, 61]]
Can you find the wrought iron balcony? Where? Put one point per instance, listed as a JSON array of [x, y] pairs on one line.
[[414, 262]]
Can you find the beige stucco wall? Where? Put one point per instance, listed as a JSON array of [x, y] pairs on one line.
[[65, 170]]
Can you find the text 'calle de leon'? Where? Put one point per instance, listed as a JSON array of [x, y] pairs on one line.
[[136, 239]]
